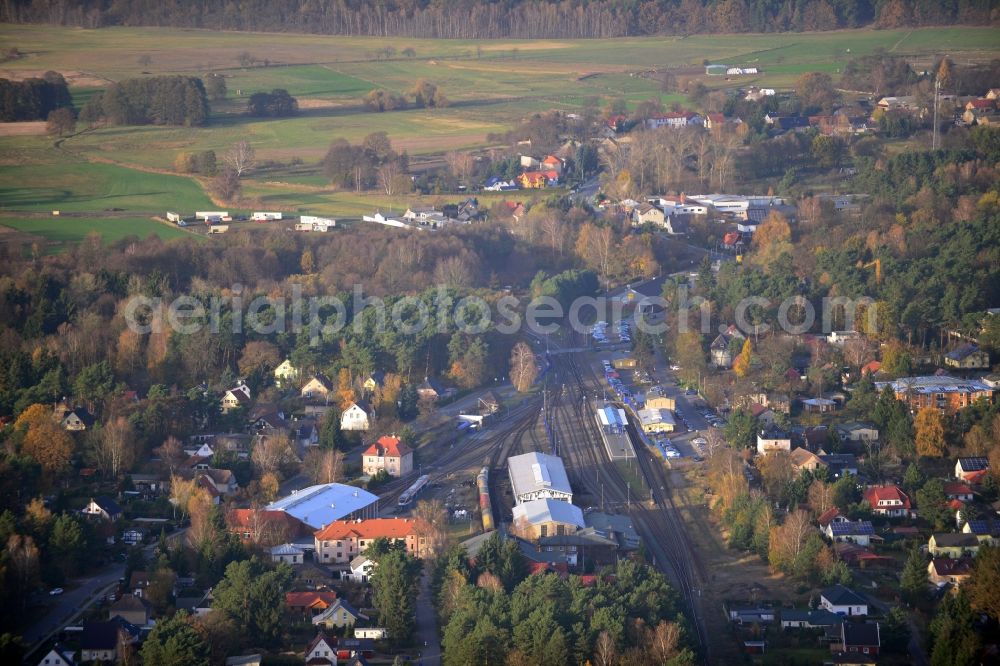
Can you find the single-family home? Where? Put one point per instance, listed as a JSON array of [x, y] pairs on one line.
[[389, 454], [134, 610], [288, 553], [843, 601], [647, 214], [238, 396], [319, 386], [749, 613], [546, 517], [432, 389], [950, 544], [373, 381], [341, 541], [78, 419], [286, 373], [987, 530], [532, 180], [773, 440], [955, 571], [321, 651], [552, 163], [358, 416], [857, 432], [957, 490], [58, 655], [967, 357], [313, 576], [972, 469], [103, 507], [831, 515], [361, 569], [818, 406], [840, 464], [861, 638], [888, 501], [339, 614], [805, 460], [795, 618], [99, 640], [719, 351], [850, 531], [309, 602]]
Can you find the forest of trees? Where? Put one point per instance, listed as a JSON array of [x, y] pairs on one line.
[[275, 104], [33, 98], [150, 100], [473, 19]]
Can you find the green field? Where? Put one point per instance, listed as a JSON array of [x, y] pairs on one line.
[[62, 230], [492, 85]]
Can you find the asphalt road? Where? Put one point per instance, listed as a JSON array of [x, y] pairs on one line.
[[428, 642]]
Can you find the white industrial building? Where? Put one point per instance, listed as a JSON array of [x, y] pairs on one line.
[[538, 476]]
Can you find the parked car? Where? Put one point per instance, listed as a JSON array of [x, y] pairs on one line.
[[55, 592]]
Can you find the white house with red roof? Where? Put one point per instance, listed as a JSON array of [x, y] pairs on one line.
[[888, 501], [389, 454]]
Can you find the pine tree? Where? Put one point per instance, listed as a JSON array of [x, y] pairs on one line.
[[913, 580]]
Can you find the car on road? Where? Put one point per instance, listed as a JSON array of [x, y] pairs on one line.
[[56, 591], [675, 368], [690, 392]]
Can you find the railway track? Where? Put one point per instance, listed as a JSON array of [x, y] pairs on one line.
[[581, 445]]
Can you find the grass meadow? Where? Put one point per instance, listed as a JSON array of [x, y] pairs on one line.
[[491, 85]]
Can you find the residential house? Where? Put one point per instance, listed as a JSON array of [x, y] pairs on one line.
[[138, 582], [677, 224], [945, 570], [374, 381], [840, 464], [286, 373], [818, 406], [831, 515], [675, 119], [972, 469], [888, 501], [340, 614], [552, 163], [103, 507], [538, 476], [313, 576], [647, 214], [949, 544], [341, 541], [238, 396], [310, 602], [319, 386], [795, 618], [858, 638], [749, 613], [957, 490], [902, 102], [59, 655], [287, 553], [980, 104], [99, 640], [857, 432], [532, 180], [943, 392], [856, 531], [805, 460], [843, 601], [389, 454], [780, 402], [432, 389], [321, 651], [134, 610], [773, 440], [719, 351], [546, 517], [358, 416], [78, 419], [987, 531], [967, 357], [361, 569]]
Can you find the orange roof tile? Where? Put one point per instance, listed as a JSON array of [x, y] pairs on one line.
[[373, 528], [388, 447], [876, 493]]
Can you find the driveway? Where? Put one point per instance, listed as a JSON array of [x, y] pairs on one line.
[[428, 641]]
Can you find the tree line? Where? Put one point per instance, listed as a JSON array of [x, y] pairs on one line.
[[472, 19], [33, 98], [150, 100]]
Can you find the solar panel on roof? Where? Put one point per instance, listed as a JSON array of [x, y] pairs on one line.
[[974, 464]]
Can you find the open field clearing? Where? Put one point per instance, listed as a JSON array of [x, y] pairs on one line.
[[60, 231], [491, 87]]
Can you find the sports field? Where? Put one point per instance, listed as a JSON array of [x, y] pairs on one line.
[[491, 86]]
